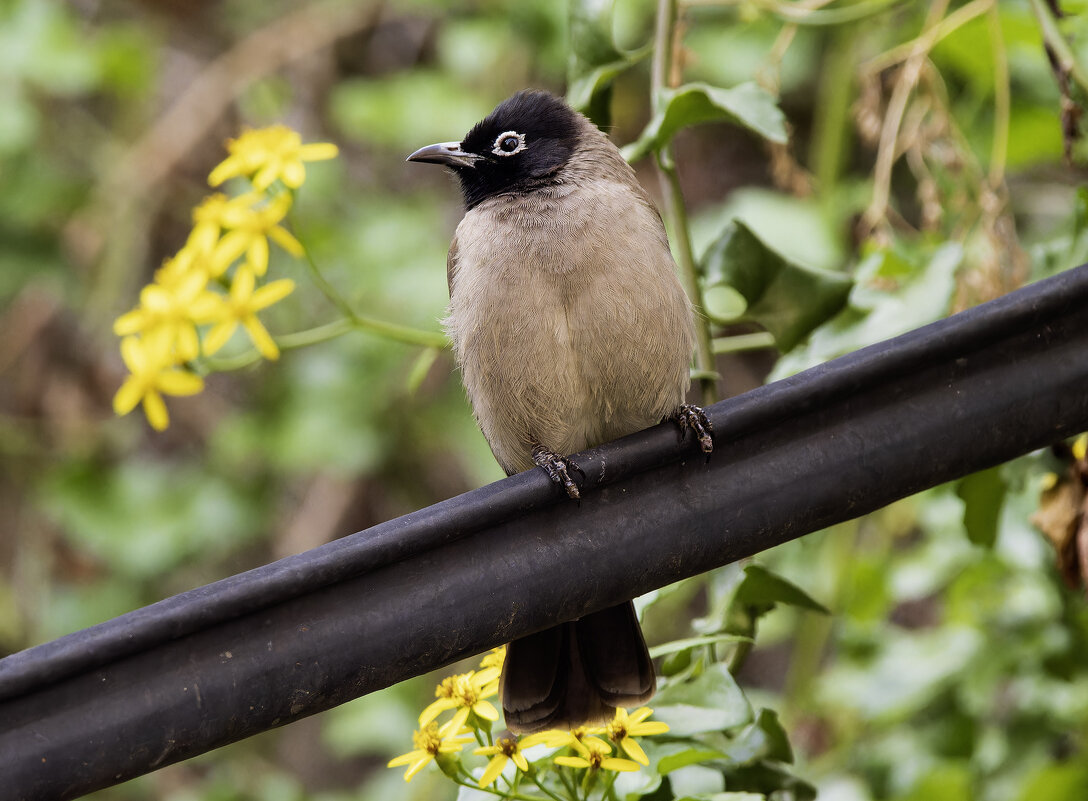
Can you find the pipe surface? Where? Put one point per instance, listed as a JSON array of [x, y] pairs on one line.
[[298, 636]]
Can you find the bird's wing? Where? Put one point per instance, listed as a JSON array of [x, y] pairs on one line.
[[451, 264]]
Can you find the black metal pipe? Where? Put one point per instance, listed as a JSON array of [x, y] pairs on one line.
[[299, 636]]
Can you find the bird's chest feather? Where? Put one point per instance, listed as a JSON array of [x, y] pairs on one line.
[[528, 286]]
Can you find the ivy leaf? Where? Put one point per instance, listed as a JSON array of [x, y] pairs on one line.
[[687, 755], [595, 59], [762, 588], [786, 298], [711, 702], [764, 738], [983, 494], [746, 104]]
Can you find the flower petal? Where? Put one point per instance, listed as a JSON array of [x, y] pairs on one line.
[[634, 750], [571, 762], [179, 382], [282, 237], [486, 710], [262, 340], [130, 322], [132, 353], [404, 759], [649, 727], [434, 709], [612, 763], [293, 174], [155, 410], [219, 336], [128, 396], [417, 767], [266, 176], [493, 769], [257, 255], [270, 293]]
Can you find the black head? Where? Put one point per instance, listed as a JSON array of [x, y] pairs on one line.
[[518, 147]]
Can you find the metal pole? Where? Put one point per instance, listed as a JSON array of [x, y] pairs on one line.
[[301, 635]]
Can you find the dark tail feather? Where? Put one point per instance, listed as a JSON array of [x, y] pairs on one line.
[[577, 672]]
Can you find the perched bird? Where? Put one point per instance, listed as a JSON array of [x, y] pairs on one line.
[[571, 329]]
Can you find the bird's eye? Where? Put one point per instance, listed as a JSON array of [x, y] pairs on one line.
[[508, 143]]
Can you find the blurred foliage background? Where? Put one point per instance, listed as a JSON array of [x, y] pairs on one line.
[[931, 164]]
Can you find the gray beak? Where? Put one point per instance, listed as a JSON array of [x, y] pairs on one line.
[[448, 153]]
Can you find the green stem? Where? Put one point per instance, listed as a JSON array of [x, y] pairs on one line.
[[543, 789], [832, 127], [689, 276], [817, 16], [568, 782], [394, 331], [499, 793], [401, 333], [665, 28], [1002, 100], [1053, 37], [608, 791], [742, 342]]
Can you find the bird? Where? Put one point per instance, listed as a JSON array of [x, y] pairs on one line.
[[570, 328]]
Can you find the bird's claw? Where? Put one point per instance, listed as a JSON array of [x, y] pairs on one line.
[[690, 416], [559, 470]]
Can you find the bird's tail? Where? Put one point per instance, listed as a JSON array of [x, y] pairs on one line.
[[577, 672]]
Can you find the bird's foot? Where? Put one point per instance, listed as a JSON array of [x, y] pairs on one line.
[[690, 416], [560, 469]]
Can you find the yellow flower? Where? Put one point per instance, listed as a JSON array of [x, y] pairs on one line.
[[153, 373], [241, 307], [167, 315], [429, 742], [268, 154], [1080, 447], [507, 747], [494, 658], [624, 728], [594, 754], [207, 223], [465, 692], [249, 229]]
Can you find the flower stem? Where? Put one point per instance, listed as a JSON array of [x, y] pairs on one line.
[[543, 789], [499, 793], [394, 331]]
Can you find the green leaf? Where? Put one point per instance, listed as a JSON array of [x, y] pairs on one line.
[[693, 642], [710, 702], [982, 493], [692, 755], [595, 58], [764, 738], [786, 298], [746, 104], [724, 304], [894, 292], [761, 587]]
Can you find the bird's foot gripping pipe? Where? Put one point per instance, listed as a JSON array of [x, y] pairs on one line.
[[690, 416], [560, 469]]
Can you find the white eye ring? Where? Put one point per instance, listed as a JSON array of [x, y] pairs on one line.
[[497, 147]]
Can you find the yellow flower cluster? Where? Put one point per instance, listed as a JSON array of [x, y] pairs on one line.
[[584, 748], [184, 313]]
